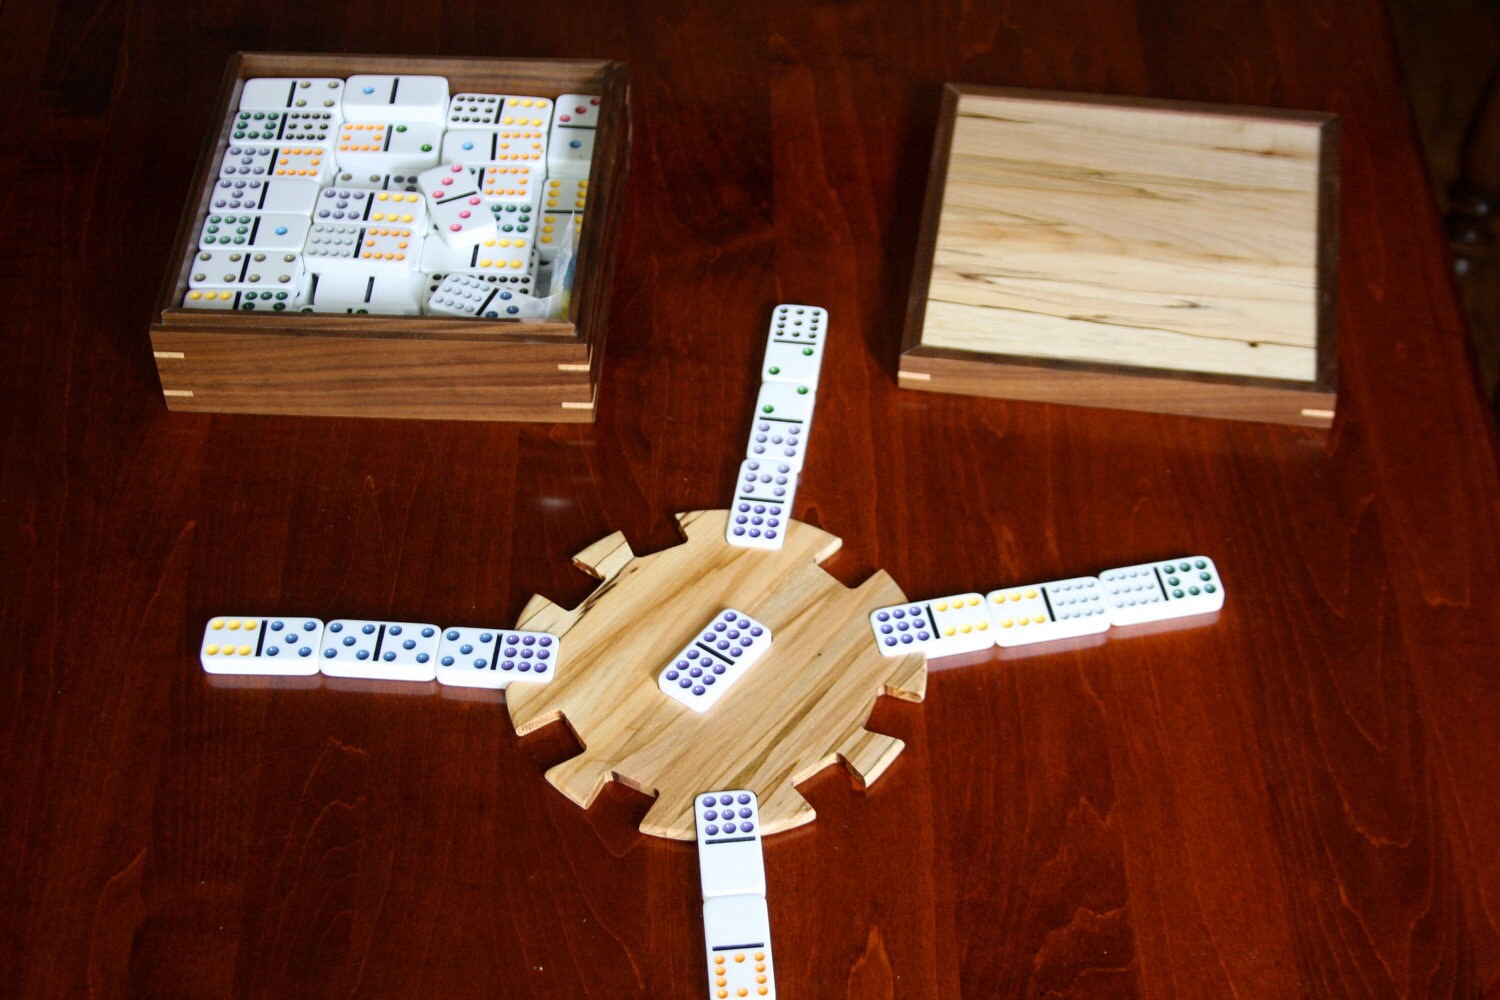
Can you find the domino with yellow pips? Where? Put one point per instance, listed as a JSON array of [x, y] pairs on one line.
[[492, 111], [278, 647], [352, 204], [502, 254], [946, 626], [1042, 612]]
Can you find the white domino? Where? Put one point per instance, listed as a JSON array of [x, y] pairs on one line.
[[313, 163], [376, 181], [286, 196], [509, 184], [794, 346], [355, 205], [276, 128], [496, 657], [494, 111], [459, 213], [737, 939], [316, 94], [366, 294], [504, 254], [239, 300], [946, 626], [762, 507], [473, 295], [1172, 588], [246, 269], [233, 231], [729, 849], [1042, 612], [783, 420], [576, 110], [275, 647], [719, 655], [387, 147], [382, 98], [379, 651], [570, 151], [518, 147], [370, 250]]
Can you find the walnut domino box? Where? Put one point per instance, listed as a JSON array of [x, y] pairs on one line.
[[1128, 253], [416, 367]]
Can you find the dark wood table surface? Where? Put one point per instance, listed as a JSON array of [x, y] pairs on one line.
[[1299, 800]]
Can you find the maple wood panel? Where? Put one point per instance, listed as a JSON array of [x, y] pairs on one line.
[[1296, 800]]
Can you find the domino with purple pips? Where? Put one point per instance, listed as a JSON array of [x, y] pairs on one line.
[[794, 346], [946, 626], [272, 647], [729, 848], [1172, 588], [285, 196], [762, 506], [1041, 612], [355, 205], [496, 657], [380, 651], [312, 163], [719, 655], [783, 420]]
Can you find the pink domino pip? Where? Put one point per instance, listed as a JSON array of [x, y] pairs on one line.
[[457, 208]]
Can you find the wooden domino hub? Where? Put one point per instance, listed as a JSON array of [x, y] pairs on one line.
[[802, 707]]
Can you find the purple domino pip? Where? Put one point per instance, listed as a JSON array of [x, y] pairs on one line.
[[708, 666]]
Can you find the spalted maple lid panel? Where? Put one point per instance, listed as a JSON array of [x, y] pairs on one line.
[[1170, 237]]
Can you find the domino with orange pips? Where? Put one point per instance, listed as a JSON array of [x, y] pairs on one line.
[[737, 940], [508, 184], [373, 249], [269, 162], [946, 626], [514, 146], [1041, 612], [387, 147]]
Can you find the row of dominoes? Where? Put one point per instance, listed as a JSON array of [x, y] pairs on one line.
[[1043, 612], [766, 485], [736, 923], [329, 192], [244, 280], [378, 650]]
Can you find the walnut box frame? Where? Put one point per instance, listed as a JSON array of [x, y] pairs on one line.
[[415, 367], [1128, 253]]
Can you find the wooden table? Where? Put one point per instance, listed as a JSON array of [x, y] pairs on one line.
[[1302, 799]]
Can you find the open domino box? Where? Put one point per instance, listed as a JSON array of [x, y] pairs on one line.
[[421, 367]]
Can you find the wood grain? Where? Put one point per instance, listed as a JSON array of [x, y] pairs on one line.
[[1097, 236], [1296, 801], [801, 708], [462, 372]]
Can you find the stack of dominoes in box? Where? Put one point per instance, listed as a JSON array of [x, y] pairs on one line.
[[384, 195], [736, 923], [767, 481]]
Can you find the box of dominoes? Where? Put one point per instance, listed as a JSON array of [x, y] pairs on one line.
[[395, 236]]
